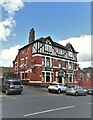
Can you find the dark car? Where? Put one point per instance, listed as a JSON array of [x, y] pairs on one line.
[[1, 81], [90, 91], [12, 86]]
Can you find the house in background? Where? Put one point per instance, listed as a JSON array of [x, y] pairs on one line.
[[4, 70], [43, 61], [85, 77]]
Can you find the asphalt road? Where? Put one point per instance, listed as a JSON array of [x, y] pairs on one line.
[[38, 103]]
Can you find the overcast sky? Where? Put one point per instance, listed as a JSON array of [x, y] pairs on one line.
[[63, 21]]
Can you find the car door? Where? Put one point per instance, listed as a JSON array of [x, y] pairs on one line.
[[81, 91], [3, 85]]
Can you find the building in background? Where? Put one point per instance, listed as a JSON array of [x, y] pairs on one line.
[[4, 70], [85, 77], [43, 61]]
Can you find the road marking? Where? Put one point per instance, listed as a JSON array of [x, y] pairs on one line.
[[51, 110], [90, 103]]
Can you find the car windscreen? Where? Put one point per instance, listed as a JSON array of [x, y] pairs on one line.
[[16, 83], [53, 84]]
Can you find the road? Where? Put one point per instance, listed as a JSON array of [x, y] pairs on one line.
[[38, 103]]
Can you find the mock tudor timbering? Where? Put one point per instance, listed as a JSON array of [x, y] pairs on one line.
[[45, 61]]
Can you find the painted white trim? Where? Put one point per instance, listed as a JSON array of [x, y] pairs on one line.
[[54, 58], [22, 58], [38, 65], [35, 81]]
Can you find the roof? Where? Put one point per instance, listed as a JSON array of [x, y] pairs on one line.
[[68, 46], [85, 69], [43, 40]]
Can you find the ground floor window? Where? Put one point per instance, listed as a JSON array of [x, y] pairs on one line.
[[47, 76], [22, 75], [43, 77], [69, 78]]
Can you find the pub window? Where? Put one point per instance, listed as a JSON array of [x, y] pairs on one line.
[[43, 61], [51, 62], [43, 76], [26, 50], [59, 51], [46, 47], [47, 61], [70, 54], [26, 75], [22, 75], [70, 66], [47, 77], [60, 64], [52, 77]]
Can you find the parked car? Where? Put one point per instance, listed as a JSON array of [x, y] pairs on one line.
[[12, 86], [76, 90], [90, 91], [1, 81], [56, 87]]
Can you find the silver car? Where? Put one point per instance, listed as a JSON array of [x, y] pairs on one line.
[[76, 90]]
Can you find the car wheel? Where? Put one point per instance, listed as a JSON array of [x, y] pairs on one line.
[[6, 92], [85, 94], [49, 91], [76, 94], [19, 92], [59, 91]]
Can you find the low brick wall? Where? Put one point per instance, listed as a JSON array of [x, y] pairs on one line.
[[25, 82], [85, 84], [39, 84]]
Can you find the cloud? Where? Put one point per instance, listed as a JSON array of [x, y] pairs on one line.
[[11, 6], [82, 45], [7, 25], [8, 55]]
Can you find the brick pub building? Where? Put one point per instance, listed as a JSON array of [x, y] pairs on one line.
[[43, 61]]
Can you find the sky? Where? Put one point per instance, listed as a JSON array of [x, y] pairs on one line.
[[63, 21]]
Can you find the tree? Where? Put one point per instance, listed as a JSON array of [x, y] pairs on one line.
[[9, 75]]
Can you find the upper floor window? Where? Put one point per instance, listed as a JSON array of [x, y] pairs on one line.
[[22, 52], [59, 64], [70, 66], [51, 62], [22, 61], [70, 54], [46, 47], [59, 51], [26, 50], [43, 61], [88, 74], [34, 50], [47, 62]]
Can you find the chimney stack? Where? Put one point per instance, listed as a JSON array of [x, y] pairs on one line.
[[31, 35]]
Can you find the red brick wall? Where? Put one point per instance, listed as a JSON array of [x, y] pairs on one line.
[[64, 64]]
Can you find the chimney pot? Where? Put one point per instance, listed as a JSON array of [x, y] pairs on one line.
[[31, 35]]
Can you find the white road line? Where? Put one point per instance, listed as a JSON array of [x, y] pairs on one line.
[[51, 110], [90, 103]]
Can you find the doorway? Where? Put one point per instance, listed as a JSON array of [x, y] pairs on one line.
[[60, 79]]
